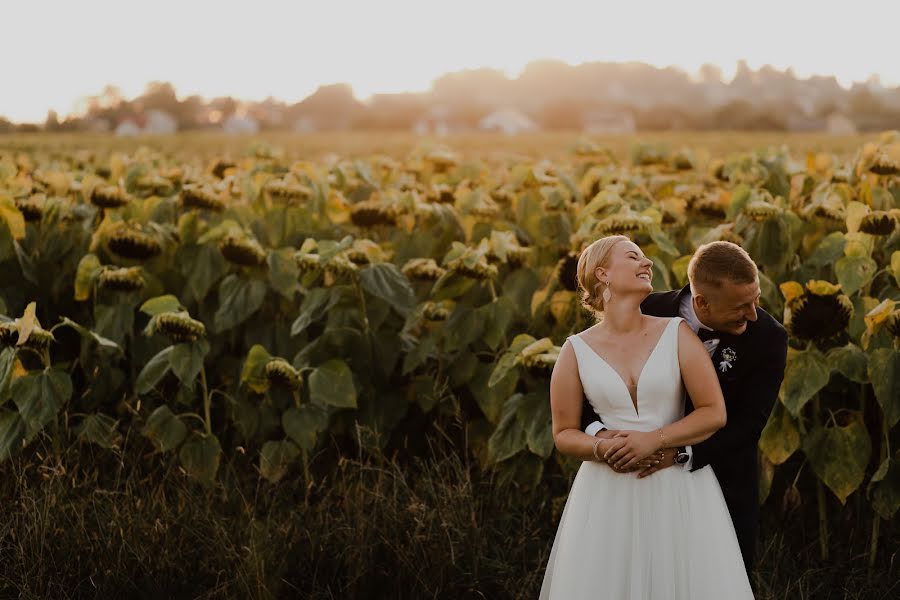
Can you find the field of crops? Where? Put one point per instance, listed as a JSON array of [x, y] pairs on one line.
[[227, 300]]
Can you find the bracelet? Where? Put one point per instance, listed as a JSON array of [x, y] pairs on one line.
[[597, 443], [662, 437]]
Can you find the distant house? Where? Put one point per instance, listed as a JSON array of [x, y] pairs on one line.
[[510, 121], [436, 121], [127, 128], [159, 122], [838, 124], [240, 124], [608, 122]]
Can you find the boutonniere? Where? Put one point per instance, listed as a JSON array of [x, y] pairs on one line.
[[728, 358]]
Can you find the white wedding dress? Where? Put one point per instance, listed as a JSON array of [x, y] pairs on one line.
[[667, 536]]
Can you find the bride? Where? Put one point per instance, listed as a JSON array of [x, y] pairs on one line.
[[666, 536]]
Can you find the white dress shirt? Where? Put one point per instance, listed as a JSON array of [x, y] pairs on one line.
[[685, 311]]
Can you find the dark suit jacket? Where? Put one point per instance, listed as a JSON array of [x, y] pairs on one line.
[[750, 388]]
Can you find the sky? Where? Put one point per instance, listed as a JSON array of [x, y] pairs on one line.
[[52, 53]]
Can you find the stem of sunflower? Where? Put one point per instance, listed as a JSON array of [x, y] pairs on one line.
[[206, 417], [820, 491], [366, 329]]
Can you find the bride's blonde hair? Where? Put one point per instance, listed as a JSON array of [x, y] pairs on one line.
[[595, 255]]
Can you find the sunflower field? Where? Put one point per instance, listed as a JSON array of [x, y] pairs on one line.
[[259, 302]]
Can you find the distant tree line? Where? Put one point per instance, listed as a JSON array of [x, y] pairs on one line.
[[556, 96]]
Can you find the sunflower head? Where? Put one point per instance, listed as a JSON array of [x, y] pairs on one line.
[[130, 242], [566, 271], [294, 192], [818, 313], [761, 210], [108, 196], [280, 372], [180, 327], [370, 213], [878, 222], [9, 333], [220, 167], [126, 279], [242, 250], [197, 196], [423, 268], [32, 208], [437, 311]]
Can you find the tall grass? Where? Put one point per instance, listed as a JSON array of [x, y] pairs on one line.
[[89, 523]]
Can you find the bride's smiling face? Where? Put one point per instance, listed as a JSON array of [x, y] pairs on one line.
[[627, 270]]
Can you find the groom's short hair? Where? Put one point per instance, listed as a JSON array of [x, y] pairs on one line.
[[715, 262]]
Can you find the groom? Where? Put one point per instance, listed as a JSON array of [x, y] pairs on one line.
[[749, 351]]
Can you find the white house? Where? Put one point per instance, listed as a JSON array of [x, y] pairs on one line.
[[159, 122], [240, 124], [510, 121], [127, 128]]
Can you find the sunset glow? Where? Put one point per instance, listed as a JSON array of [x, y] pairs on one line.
[[58, 52]]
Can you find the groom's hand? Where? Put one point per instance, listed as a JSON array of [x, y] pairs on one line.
[[606, 434], [667, 461]]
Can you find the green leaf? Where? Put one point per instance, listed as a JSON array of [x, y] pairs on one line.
[[829, 250], [509, 437], [806, 373], [88, 269], [7, 365], [850, 361], [839, 456], [114, 322], [89, 335], [304, 423], [884, 371], [386, 281], [464, 326], [153, 372], [164, 429], [510, 359], [780, 437], [283, 272], [854, 272], [884, 488], [332, 384], [534, 416], [497, 317], [895, 266], [491, 398], [253, 373], [200, 456], [161, 304], [40, 396], [239, 298], [12, 432], [275, 458], [99, 429], [316, 303], [663, 242], [186, 360], [772, 242], [202, 267]]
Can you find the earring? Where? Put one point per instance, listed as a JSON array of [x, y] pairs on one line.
[[606, 293]]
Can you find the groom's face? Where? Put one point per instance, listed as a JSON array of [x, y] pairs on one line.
[[729, 307]]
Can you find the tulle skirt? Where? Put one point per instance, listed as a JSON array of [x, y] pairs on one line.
[[667, 536]]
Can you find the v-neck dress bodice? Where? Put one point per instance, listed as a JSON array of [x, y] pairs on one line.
[[660, 393]]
